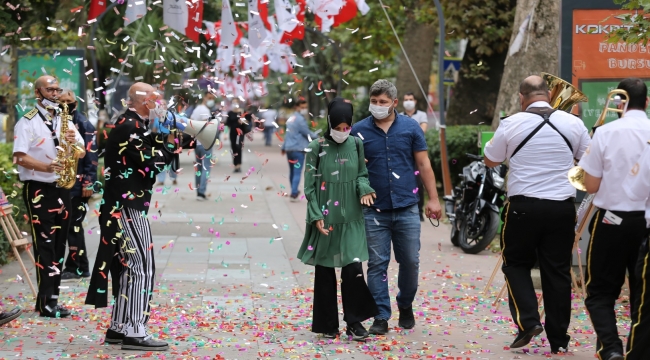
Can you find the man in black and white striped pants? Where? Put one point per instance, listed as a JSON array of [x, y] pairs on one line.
[[134, 155]]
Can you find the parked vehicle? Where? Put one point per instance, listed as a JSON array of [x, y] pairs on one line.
[[474, 206]]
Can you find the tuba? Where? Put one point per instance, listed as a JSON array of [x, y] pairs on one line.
[[66, 153], [563, 95], [617, 97]]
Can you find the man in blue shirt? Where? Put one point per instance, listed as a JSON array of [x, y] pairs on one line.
[[295, 141], [395, 151]]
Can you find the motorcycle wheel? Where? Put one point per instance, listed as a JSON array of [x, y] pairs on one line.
[[473, 242], [454, 233]]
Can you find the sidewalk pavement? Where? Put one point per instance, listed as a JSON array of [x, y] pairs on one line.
[[228, 285]]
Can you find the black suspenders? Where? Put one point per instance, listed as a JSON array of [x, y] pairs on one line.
[[545, 113]]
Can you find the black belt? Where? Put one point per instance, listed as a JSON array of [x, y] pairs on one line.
[[53, 184], [522, 198]]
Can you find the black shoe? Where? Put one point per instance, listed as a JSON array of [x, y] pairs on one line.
[[113, 337], [523, 338], [143, 343], [615, 356], [406, 318], [379, 327], [85, 275], [237, 170], [69, 276], [57, 311], [330, 335], [357, 331], [6, 317]]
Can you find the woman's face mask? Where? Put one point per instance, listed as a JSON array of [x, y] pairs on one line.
[[340, 136]]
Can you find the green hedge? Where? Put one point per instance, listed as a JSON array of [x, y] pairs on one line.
[[461, 140], [12, 187]]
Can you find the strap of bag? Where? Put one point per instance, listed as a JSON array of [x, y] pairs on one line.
[[50, 126], [545, 114]]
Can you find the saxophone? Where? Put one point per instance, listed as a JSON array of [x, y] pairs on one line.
[[66, 153]]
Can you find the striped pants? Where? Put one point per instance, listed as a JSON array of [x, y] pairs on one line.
[[132, 302]]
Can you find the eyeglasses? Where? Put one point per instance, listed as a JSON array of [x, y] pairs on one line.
[[54, 90], [434, 225]]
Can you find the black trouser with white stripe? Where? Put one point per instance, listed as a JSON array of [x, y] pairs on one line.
[[638, 346], [135, 247], [613, 250], [358, 303], [536, 229], [50, 212], [77, 260]]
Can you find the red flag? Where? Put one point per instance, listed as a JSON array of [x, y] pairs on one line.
[[263, 9], [96, 8], [194, 21], [299, 32]]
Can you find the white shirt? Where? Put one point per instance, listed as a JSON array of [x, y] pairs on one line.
[[419, 116], [201, 113], [34, 138], [637, 182], [540, 168], [269, 117], [614, 150]]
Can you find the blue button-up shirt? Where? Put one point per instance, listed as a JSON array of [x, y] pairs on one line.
[[391, 160], [297, 134]]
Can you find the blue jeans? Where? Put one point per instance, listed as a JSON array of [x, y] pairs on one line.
[[295, 169], [202, 170], [163, 174], [402, 227], [268, 134]]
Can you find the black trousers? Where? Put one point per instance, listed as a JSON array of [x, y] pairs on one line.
[[613, 250], [638, 346], [50, 212], [236, 144], [77, 260], [535, 229], [358, 303]]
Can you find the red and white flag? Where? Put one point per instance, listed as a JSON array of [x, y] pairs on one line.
[[256, 30], [227, 37], [185, 17]]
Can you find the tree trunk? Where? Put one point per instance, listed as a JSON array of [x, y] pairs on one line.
[[473, 100], [539, 51], [419, 43]]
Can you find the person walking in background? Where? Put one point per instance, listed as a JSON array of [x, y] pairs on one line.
[[163, 174], [203, 157], [76, 264], [395, 149], [297, 138], [421, 117], [37, 136], [270, 116], [335, 235], [239, 124]]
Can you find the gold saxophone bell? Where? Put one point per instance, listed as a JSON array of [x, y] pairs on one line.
[[618, 97]]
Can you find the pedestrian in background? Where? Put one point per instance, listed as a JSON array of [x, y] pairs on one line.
[[203, 158], [239, 124], [269, 116], [297, 137], [421, 117], [76, 264], [395, 149], [168, 170], [336, 187]]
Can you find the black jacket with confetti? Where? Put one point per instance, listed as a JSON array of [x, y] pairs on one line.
[[134, 156]]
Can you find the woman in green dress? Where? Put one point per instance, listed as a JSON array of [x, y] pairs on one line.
[[336, 187]]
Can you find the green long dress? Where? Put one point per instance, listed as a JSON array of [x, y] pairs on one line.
[[334, 185]]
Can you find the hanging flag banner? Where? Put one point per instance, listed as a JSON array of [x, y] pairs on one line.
[[135, 9], [256, 29], [227, 37], [194, 21], [96, 8], [176, 15]]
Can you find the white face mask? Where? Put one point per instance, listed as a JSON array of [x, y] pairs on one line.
[[409, 105], [210, 103], [304, 111], [48, 104], [379, 112], [339, 136]]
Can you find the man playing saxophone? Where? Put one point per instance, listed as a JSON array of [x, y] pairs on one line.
[[37, 143]]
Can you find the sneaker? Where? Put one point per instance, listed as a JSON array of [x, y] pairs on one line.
[[143, 343], [406, 318], [357, 331], [160, 183], [295, 198], [113, 337], [57, 311], [201, 197], [331, 335], [237, 170], [175, 182], [379, 327], [69, 276]]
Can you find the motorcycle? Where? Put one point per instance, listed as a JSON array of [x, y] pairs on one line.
[[473, 207]]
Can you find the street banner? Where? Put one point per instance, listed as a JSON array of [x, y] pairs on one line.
[[66, 65]]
